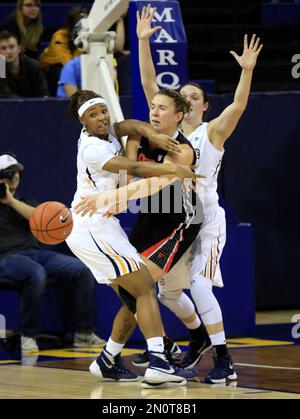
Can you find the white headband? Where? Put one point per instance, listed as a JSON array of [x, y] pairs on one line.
[[89, 103]]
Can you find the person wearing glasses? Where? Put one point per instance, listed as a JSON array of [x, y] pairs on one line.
[[26, 23]]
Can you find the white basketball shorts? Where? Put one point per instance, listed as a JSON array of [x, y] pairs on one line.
[[103, 246]]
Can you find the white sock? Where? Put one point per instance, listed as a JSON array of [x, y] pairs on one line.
[[114, 348], [156, 344], [218, 339]]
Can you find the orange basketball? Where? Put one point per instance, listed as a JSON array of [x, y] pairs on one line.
[[51, 222]]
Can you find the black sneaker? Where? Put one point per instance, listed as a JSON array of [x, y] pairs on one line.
[[222, 372], [172, 349], [110, 368], [195, 353]]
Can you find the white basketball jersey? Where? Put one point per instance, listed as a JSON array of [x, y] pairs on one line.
[[208, 164], [93, 153]]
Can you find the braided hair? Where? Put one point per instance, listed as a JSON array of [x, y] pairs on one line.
[[78, 99]]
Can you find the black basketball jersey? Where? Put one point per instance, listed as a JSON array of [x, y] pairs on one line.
[[173, 204]]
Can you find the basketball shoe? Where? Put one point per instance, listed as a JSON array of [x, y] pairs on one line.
[[196, 350], [223, 371], [142, 360], [110, 368], [161, 373]]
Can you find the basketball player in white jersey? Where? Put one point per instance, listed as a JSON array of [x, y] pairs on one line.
[[208, 139], [102, 244]]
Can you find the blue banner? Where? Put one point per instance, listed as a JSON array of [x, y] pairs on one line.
[[168, 47]]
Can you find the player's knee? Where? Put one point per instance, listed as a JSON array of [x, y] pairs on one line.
[[202, 294], [128, 299], [178, 302]]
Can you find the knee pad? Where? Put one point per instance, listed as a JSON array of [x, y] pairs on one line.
[[178, 302], [128, 300], [206, 303]]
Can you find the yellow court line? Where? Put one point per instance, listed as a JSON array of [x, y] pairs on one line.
[[84, 353], [11, 361], [247, 343]]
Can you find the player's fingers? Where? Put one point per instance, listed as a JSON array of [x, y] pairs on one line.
[[259, 49], [234, 54], [245, 41], [138, 16], [256, 45], [84, 212], [153, 11], [148, 14], [153, 30], [252, 41]]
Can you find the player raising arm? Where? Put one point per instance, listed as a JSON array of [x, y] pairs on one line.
[[208, 139]]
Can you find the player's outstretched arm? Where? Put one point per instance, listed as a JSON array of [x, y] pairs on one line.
[[147, 69], [116, 200], [220, 128]]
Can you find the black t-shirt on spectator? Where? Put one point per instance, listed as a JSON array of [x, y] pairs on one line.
[[30, 82], [15, 233]]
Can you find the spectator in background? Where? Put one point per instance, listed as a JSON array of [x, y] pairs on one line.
[[24, 77], [70, 78], [122, 55], [26, 23], [24, 261], [61, 49]]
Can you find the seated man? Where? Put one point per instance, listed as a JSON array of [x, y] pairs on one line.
[[22, 260], [24, 77]]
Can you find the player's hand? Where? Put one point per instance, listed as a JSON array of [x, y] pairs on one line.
[[116, 209], [249, 57], [87, 205], [143, 26], [165, 142], [8, 200]]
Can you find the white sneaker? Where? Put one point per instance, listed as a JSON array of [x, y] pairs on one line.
[[160, 373], [84, 340], [29, 344]]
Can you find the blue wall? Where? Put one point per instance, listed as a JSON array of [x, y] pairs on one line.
[[259, 180]]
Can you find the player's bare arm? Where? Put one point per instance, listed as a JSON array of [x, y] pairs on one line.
[[147, 69], [220, 128]]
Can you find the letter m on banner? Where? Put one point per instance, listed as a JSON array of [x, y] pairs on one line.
[[2, 67]]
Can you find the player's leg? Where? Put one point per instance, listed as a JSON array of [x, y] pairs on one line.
[[205, 272], [159, 373]]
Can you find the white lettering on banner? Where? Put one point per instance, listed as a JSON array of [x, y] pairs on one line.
[[166, 16], [166, 57], [164, 35], [296, 68], [174, 84]]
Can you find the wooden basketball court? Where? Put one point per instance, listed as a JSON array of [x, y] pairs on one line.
[[267, 369]]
